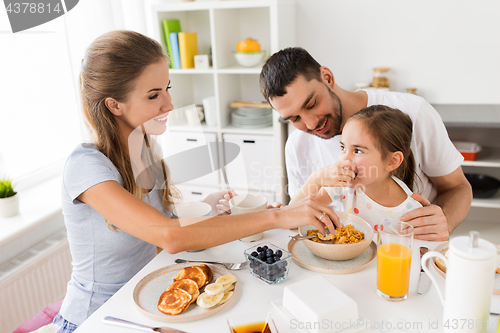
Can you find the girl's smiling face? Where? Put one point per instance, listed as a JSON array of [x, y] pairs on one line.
[[358, 146], [148, 103]]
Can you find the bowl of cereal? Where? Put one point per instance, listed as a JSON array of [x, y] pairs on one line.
[[350, 241]]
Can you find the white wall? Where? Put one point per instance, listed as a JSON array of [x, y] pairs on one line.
[[448, 49]]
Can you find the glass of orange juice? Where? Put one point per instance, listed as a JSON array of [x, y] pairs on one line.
[[395, 240]]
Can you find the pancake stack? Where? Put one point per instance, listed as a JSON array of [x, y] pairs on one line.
[[185, 290]]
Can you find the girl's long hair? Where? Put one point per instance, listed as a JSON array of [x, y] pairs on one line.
[[392, 131], [110, 68]]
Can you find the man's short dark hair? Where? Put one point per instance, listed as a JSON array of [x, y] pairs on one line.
[[285, 66]]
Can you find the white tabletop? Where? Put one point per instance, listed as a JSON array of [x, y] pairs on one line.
[[253, 295]]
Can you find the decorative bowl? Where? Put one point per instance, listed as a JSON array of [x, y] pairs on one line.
[[249, 59], [482, 186], [270, 272], [341, 251]]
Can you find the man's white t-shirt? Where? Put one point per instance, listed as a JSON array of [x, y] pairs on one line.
[[434, 153]]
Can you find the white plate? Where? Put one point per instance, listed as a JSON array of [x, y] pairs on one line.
[[305, 258], [253, 126], [148, 291]]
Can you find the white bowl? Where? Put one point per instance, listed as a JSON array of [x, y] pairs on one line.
[[341, 251], [249, 59]]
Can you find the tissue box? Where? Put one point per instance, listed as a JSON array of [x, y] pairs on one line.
[[319, 306]]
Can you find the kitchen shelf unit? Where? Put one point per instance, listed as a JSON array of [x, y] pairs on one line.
[[480, 124], [219, 26]]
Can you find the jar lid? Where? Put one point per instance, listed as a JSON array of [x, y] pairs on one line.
[[381, 69], [473, 247]]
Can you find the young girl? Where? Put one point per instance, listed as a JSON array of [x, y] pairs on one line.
[[117, 196], [376, 169]]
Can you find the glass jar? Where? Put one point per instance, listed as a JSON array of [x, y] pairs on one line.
[[411, 90], [380, 79]]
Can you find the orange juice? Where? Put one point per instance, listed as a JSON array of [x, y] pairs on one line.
[[393, 269]]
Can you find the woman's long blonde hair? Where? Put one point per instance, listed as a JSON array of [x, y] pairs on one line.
[[110, 68]]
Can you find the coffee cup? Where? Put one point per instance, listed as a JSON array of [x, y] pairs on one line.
[[248, 203]]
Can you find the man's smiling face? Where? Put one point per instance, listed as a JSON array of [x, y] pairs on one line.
[[311, 106]]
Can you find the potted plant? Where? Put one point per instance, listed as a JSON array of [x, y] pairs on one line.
[[9, 202]]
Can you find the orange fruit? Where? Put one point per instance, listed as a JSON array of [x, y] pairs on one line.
[[248, 45]]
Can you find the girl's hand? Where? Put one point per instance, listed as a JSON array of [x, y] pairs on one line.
[[220, 201], [223, 204], [336, 174], [308, 211]]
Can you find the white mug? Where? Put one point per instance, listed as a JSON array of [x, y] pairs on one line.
[[248, 203], [194, 116], [209, 107]]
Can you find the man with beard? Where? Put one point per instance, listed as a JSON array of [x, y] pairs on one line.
[[305, 93]]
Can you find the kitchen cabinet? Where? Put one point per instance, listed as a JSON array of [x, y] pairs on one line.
[[219, 26], [480, 124]]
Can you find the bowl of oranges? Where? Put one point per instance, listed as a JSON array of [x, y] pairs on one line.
[[248, 53]]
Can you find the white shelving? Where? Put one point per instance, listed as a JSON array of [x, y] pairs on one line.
[[219, 26], [488, 158], [484, 130]]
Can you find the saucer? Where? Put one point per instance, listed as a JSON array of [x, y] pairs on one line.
[[305, 258]]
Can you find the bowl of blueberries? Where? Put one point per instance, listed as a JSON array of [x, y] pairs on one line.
[[268, 262]]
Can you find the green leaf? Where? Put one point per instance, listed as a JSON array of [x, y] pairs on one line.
[[6, 189]]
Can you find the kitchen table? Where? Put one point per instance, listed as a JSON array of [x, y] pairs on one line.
[[419, 313]]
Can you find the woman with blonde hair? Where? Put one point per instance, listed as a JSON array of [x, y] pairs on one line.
[[117, 196]]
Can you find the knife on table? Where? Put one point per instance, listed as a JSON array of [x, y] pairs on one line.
[[424, 282]]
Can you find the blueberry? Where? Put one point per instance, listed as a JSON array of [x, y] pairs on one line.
[[259, 249], [279, 253], [270, 260], [269, 252], [281, 264], [265, 248], [262, 256], [277, 258], [254, 254]]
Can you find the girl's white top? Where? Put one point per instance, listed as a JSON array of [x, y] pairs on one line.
[[355, 201]]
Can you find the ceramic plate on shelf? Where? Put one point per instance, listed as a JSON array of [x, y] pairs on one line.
[[444, 247], [148, 291], [305, 258]]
